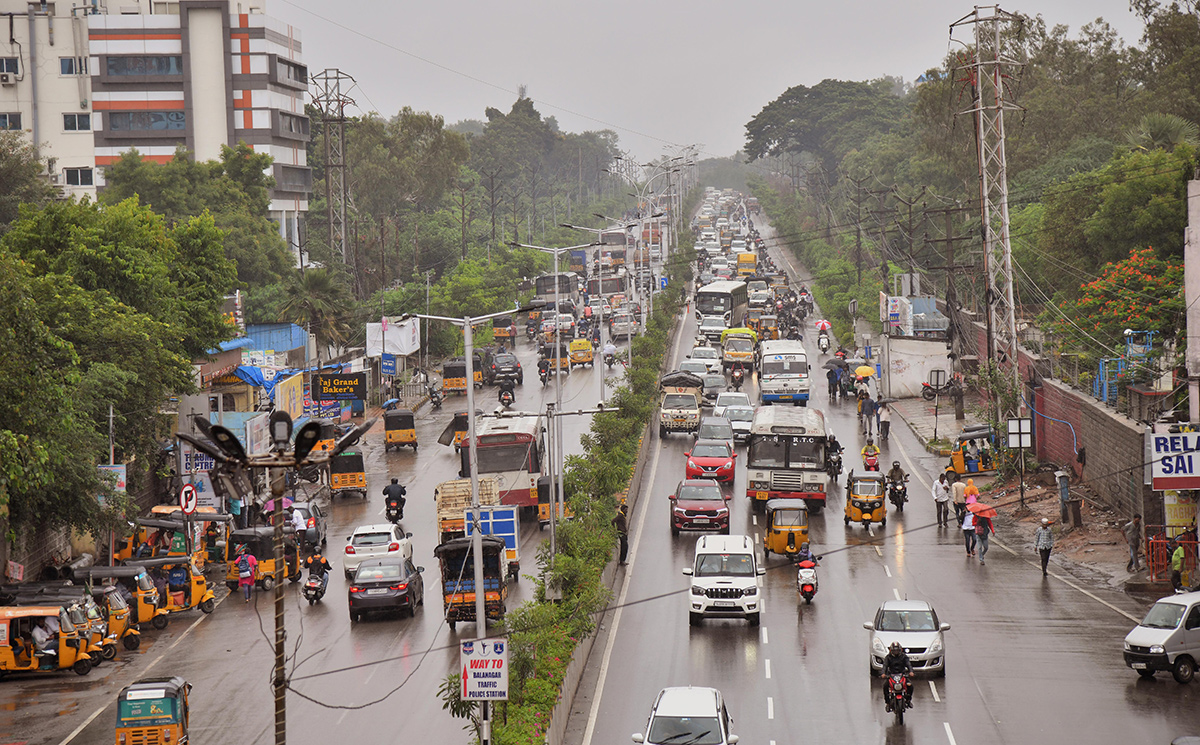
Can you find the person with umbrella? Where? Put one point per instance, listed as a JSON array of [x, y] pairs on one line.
[[834, 378], [983, 526]]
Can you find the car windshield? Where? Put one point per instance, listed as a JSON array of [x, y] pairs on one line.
[[704, 353], [756, 285], [704, 493], [680, 730], [387, 571], [370, 539], [867, 489], [739, 414], [907, 620], [724, 565], [711, 450], [679, 401], [716, 430], [1164, 616]]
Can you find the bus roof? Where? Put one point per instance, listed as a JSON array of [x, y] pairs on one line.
[[782, 346], [788, 420], [723, 285], [524, 424]]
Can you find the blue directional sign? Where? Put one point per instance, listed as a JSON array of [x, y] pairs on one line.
[[662, 283], [388, 365]]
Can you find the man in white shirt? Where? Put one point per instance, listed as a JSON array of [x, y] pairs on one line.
[[42, 637], [300, 525], [941, 498]]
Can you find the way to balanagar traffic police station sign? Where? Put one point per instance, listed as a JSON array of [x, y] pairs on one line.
[[1174, 460], [484, 670]]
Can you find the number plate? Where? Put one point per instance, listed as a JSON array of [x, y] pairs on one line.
[[378, 591], [785, 398], [1138, 665], [700, 520], [680, 421], [724, 603]]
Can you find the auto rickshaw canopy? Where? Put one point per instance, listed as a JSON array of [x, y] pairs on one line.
[[259, 542], [347, 462], [399, 419], [867, 484]]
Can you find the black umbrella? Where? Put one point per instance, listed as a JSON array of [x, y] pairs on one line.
[[835, 364]]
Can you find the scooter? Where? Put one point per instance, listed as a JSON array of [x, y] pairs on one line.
[[823, 343], [806, 580], [394, 511], [435, 397], [506, 397], [531, 332], [736, 378], [871, 462], [895, 696], [610, 359], [898, 494], [544, 374], [314, 588]]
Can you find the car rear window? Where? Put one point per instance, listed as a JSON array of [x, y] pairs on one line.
[[387, 571], [701, 493], [505, 359], [714, 450], [370, 539], [716, 431]]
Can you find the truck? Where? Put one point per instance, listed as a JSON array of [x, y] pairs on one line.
[[453, 498], [679, 405], [747, 264], [578, 262], [752, 205]]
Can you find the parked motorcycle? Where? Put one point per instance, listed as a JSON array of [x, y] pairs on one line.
[[435, 397], [314, 588], [951, 388], [898, 494], [806, 580], [895, 695]]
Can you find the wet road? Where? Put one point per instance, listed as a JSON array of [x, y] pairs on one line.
[[228, 656], [1029, 660]]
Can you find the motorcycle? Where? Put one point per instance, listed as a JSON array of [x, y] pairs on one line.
[[394, 511], [871, 461], [833, 464], [823, 343], [895, 696], [930, 392], [898, 494], [806, 580], [609, 359], [736, 378], [314, 588], [506, 397], [544, 373], [435, 397]]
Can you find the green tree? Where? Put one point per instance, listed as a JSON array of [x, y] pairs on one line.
[[320, 302], [21, 176], [1163, 132]]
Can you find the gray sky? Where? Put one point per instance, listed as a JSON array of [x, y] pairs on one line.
[[656, 71]]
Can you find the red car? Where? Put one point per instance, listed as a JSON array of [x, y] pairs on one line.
[[699, 504], [710, 459]]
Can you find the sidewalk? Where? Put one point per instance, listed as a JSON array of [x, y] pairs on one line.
[[919, 415]]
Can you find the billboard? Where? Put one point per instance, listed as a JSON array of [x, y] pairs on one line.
[[339, 387], [289, 396], [1174, 460], [403, 337]]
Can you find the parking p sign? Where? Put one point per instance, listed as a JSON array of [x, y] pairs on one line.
[[484, 670]]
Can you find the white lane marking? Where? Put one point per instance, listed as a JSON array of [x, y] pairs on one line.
[[949, 734], [878, 550], [886, 570], [870, 530], [149, 667], [933, 689], [768, 669], [770, 708], [754, 519], [896, 592], [756, 539], [764, 634]]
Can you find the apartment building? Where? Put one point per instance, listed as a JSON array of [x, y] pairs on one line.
[[91, 81]]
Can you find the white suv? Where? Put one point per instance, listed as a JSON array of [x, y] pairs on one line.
[[374, 542], [724, 580], [692, 715]]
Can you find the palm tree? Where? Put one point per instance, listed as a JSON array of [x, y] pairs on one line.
[[1163, 131], [319, 301]]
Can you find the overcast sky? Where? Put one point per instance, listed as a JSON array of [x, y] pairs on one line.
[[656, 71]]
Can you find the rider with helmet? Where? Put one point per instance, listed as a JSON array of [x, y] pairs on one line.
[[896, 662], [870, 448], [896, 475], [318, 566]]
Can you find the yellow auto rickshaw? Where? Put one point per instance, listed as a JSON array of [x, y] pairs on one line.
[[135, 587], [120, 616], [186, 586], [504, 327], [454, 375], [456, 560], [214, 526], [974, 452], [400, 429], [153, 710], [154, 535], [787, 527], [90, 619], [769, 327], [328, 436], [581, 353], [18, 652], [456, 431], [560, 361], [260, 543], [865, 498], [347, 474], [543, 494], [754, 319]]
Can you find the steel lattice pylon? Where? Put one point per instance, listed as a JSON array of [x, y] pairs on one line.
[[990, 71], [330, 97]]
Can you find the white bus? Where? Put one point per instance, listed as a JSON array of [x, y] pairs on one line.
[[723, 298], [785, 457], [782, 372], [511, 449]]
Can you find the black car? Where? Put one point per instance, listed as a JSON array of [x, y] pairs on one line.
[[314, 518], [386, 584], [504, 367]]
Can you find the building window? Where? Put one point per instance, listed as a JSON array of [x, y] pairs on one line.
[[78, 176], [77, 122], [144, 65], [291, 71], [297, 125], [137, 121], [73, 65], [10, 121], [9, 64]]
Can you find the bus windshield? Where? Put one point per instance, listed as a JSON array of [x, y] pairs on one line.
[[785, 366], [710, 304], [508, 457], [782, 451], [767, 452]]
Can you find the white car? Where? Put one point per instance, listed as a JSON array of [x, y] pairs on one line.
[[724, 579], [709, 356], [914, 624], [711, 328], [699, 367], [730, 398], [374, 542], [688, 715], [740, 418]]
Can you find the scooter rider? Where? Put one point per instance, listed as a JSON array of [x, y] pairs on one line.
[[394, 492], [896, 662], [870, 449], [543, 367], [610, 349], [318, 566], [507, 385], [806, 554]]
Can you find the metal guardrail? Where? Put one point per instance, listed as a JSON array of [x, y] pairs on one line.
[[1160, 545]]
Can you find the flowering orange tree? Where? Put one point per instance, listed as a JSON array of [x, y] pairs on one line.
[[1142, 292]]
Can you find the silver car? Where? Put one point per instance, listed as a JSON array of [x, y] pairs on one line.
[[915, 625]]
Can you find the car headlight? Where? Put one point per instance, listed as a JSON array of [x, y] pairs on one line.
[[1127, 647], [697, 590], [750, 591], [877, 647], [1157, 649], [691, 463], [728, 464], [936, 646]]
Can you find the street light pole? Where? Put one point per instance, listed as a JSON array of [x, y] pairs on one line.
[[476, 534]]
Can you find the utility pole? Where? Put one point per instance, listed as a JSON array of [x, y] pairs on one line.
[[493, 201], [951, 269], [331, 99], [909, 228], [990, 71], [858, 184]]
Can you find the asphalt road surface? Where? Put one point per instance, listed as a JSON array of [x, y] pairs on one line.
[[228, 656]]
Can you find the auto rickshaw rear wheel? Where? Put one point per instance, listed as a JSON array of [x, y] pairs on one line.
[[207, 606], [82, 667], [267, 583], [97, 658], [108, 651], [159, 622], [132, 641]]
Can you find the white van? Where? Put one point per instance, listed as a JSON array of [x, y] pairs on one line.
[[1168, 638], [724, 579]]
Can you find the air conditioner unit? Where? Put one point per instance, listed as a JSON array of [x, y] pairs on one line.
[[55, 178], [7, 78]]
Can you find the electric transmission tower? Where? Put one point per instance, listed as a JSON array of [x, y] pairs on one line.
[[991, 70], [330, 89]]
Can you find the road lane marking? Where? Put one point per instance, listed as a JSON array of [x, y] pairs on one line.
[[878, 550], [756, 539], [949, 734], [896, 592], [768, 669], [870, 530], [754, 519], [156, 660], [764, 635], [886, 570], [933, 688], [770, 708]]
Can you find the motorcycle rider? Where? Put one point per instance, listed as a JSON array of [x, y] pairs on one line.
[[610, 350], [394, 492], [507, 385], [806, 554], [896, 475], [543, 368], [869, 449], [737, 374], [318, 566], [896, 662]]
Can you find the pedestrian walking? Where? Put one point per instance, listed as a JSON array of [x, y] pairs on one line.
[[247, 567], [621, 522], [868, 414], [968, 529], [1133, 537], [883, 418], [1177, 565], [983, 532], [958, 492], [941, 500], [971, 491], [1043, 542]]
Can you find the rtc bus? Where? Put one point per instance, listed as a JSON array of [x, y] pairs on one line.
[[568, 286], [723, 298], [607, 285], [782, 372], [511, 449], [615, 243], [786, 457]]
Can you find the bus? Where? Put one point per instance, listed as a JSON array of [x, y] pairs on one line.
[[615, 243], [511, 449], [786, 457], [607, 285], [723, 298], [783, 375], [568, 286]]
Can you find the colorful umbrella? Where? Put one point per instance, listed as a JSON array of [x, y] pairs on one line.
[[864, 371], [823, 325], [269, 507], [981, 509]]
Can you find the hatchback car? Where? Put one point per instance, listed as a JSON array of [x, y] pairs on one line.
[[699, 504], [696, 716], [915, 625], [715, 428], [504, 367], [694, 366], [714, 385], [386, 584], [314, 518], [711, 328], [709, 356], [1168, 638], [375, 542], [740, 418], [729, 398], [710, 459]]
